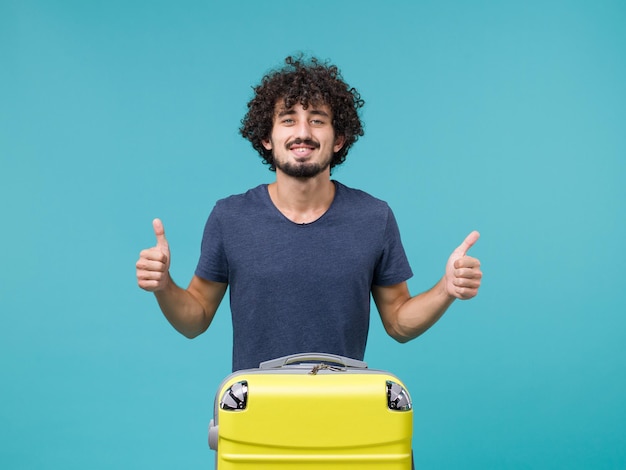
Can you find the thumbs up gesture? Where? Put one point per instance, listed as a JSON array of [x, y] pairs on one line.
[[463, 275], [154, 263]]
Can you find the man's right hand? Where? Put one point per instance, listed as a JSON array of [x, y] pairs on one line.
[[154, 263]]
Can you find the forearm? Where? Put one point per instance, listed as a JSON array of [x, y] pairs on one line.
[[191, 310], [406, 317], [421, 312], [183, 310]]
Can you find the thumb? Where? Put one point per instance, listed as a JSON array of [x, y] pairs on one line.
[[159, 232], [469, 241]]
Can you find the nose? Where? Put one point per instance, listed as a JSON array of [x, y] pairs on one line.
[[303, 129]]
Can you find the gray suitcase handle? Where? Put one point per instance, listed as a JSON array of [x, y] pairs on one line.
[[312, 357]]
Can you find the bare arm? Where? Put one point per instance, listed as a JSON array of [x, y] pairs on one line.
[[406, 317], [189, 310]]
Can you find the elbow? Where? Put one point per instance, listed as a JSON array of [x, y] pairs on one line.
[[191, 333], [402, 339], [397, 334], [403, 334], [191, 329]]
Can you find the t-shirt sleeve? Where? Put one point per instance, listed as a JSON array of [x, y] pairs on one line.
[[393, 266], [213, 264]]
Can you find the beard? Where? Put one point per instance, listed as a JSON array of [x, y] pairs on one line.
[[302, 169]]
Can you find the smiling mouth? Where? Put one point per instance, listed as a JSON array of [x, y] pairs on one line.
[[302, 151], [302, 146]]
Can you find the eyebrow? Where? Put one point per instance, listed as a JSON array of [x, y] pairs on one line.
[[290, 111]]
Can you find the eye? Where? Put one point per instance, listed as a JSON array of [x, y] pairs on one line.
[[317, 122]]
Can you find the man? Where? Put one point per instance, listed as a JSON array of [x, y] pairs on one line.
[[302, 255]]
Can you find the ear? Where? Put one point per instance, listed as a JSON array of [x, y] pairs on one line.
[[267, 144], [339, 141]]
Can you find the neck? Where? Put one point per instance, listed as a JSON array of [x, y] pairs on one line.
[[302, 200]]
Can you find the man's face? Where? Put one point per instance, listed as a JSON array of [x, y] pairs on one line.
[[303, 141]]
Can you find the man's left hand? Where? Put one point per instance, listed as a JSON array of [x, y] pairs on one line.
[[463, 275]]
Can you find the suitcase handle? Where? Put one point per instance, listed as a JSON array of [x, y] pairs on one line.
[[312, 357]]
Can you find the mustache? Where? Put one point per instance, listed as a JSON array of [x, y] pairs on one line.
[[307, 142]]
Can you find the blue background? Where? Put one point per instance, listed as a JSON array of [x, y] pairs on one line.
[[506, 117]]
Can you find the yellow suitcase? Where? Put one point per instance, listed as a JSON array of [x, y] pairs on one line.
[[312, 411]]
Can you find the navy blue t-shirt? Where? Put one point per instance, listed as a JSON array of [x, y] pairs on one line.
[[301, 287]]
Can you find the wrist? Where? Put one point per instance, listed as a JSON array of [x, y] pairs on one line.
[[444, 289], [165, 284]]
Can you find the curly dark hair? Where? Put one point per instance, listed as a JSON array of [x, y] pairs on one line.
[[307, 82]]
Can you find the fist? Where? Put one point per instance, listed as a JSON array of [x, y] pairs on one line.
[[154, 263], [463, 275]]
